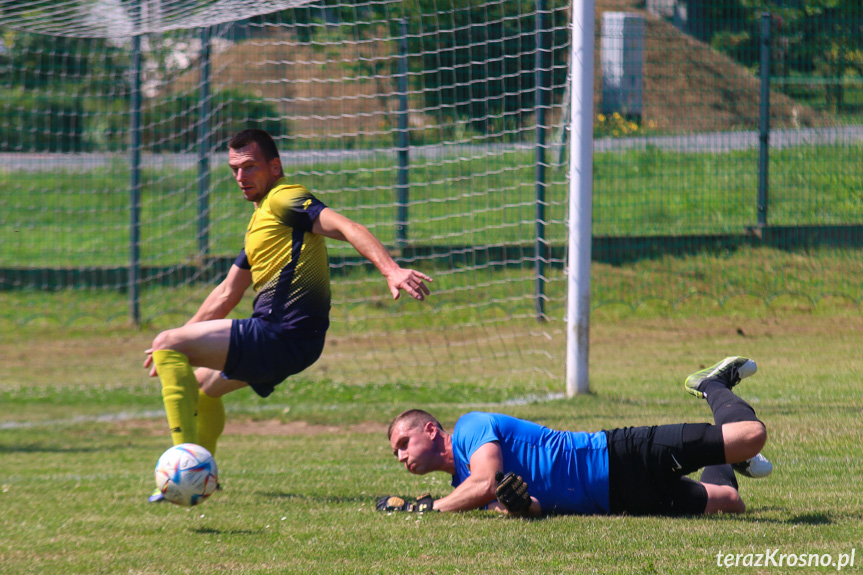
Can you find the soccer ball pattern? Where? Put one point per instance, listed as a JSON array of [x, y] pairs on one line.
[[186, 474]]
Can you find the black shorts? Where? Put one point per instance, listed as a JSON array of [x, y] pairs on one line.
[[263, 356], [647, 465]]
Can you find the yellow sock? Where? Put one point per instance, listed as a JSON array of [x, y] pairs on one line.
[[211, 420], [180, 394]]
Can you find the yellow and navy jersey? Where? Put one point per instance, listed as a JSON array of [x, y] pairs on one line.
[[289, 265]]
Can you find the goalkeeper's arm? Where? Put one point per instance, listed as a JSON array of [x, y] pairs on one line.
[[422, 504], [475, 492], [535, 509], [478, 491], [513, 497]]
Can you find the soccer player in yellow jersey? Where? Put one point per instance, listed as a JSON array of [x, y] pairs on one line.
[[285, 258]]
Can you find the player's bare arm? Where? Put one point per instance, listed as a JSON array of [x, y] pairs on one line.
[[218, 304], [513, 497], [535, 509], [333, 225], [478, 489], [225, 296]]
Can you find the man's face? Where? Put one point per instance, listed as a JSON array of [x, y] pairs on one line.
[[415, 447], [254, 174]]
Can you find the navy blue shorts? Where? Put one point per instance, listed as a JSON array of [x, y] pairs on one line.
[[264, 356], [647, 465]]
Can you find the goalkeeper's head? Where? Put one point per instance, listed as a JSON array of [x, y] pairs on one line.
[[420, 443], [413, 418]]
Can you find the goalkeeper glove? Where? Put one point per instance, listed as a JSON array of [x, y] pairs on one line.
[[512, 492], [395, 503]]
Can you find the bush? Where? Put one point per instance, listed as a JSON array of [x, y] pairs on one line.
[[40, 122]]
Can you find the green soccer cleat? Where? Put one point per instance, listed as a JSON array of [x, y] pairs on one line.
[[729, 371]]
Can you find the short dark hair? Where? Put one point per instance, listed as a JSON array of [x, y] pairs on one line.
[[254, 136], [414, 418]]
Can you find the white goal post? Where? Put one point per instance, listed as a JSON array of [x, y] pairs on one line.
[[580, 199]]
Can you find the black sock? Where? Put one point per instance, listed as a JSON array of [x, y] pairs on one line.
[[726, 406], [719, 475]]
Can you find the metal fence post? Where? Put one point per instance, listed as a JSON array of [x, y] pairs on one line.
[[540, 100], [135, 185], [204, 148], [764, 128], [403, 186]]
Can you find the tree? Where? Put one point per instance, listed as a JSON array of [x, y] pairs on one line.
[[809, 37], [823, 37], [835, 30], [34, 61]]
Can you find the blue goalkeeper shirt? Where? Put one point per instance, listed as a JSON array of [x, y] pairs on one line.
[[566, 471]]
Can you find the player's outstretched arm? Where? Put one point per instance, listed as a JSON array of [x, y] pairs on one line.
[[333, 225], [477, 490]]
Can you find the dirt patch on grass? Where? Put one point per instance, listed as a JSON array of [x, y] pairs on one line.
[[273, 427], [244, 426]]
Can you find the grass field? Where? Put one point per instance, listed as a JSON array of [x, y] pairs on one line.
[[82, 218], [82, 427]]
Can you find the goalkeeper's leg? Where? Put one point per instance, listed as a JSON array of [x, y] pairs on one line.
[[743, 433]]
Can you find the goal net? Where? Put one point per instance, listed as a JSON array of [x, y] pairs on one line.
[[436, 124]]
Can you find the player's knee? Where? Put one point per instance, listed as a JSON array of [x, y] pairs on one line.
[[210, 389], [723, 499], [756, 437], [743, 440], [163, 341], [214, 385], [760, 437], [211, 394], [733, 503]]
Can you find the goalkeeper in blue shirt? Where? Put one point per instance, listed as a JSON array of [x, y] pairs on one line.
[[523, 468]]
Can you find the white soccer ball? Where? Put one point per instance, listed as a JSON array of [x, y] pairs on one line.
[[186, 474]]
